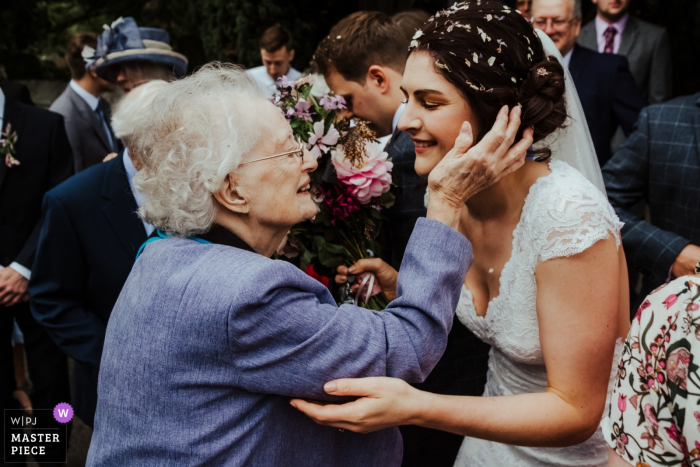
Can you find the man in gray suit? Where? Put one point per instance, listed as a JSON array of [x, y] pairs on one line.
[[645, 45], [86, 114]]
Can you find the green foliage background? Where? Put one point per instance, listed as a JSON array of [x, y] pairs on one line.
[[35, 32]]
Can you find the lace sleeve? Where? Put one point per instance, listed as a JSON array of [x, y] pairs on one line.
[[572, 217]]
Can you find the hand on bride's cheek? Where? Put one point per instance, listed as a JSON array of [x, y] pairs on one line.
[[434, 113]]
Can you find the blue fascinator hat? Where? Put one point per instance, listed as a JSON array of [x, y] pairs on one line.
[[124, 41]]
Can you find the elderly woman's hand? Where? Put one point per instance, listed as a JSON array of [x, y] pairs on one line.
[[467, 170], [385, 274], [383, 403]]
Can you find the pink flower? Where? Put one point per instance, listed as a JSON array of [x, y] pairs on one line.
[[622, 403], [677, 363], [368, 180], [670, 300], [283, 83], [332, 102], [318, 140], [650, 414], [633, 401], [302, 110], [692, 307], [642, 307]]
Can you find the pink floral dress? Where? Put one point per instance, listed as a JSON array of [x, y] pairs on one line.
[[653, 417]]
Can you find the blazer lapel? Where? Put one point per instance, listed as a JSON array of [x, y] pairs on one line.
[[629, 36], [15, 117], [90, 117], [120, 206], [587, 38]]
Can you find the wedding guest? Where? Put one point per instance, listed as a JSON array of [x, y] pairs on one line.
[[209, 337], [645, 45], [86, 114], [547, 288], [129, 55], [16, 91], [87, 246], [660, 164], [410, 22], [277, 53], [607, 90], [41, 160], [366, 66], [525, 8], [653, 416]]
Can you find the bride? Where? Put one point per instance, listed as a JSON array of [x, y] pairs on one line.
[[548, 285]]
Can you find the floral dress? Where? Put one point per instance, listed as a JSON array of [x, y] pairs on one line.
[[653, 417]]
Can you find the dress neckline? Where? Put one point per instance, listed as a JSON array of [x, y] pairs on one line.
[[506, 267]]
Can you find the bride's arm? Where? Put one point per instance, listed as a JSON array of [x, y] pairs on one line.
[[578, 300]]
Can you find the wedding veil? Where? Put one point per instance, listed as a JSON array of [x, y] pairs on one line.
[[572, 144]]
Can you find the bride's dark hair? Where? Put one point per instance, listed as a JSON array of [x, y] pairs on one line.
[[494, 57]]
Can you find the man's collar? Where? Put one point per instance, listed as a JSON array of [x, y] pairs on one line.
[[91, 100], [129, 165], [397, 117], [567, 58], [601, 24]]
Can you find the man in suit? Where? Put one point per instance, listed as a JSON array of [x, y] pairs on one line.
[[16, 92], [660, 163], [608, 93], [370, 84], [44, 160], [87, 115], [645, 45], [88, 244]]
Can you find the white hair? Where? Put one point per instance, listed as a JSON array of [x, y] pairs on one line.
[[130, 108], [575, 4], [196, 133]]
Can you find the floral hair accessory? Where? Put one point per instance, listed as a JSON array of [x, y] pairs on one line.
[[542, 72]]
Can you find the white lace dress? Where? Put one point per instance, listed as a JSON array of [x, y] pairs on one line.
[[563, 215]]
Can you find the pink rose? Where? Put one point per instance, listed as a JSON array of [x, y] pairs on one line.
[[622, 403], [368, 180]]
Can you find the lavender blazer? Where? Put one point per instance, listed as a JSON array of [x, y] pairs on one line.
[[207, 343]]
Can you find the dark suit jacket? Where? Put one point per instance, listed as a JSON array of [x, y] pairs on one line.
[[16, 91], [462, 368], [409, 205], [87, 247], [85, 131], [648, 52], [659, 163], [609, 96], [45, 161]]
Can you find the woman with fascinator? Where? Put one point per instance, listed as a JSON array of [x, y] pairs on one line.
[[548, 286]]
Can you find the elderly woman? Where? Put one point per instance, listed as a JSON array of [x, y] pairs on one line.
[[210, 337]]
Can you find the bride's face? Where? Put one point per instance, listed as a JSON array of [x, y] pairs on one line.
[[435, 111]]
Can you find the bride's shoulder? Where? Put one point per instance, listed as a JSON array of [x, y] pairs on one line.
[[568, 213]]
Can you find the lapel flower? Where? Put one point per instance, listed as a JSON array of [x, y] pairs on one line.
[[8, 140]]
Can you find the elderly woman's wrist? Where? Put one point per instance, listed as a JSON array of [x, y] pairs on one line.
[[444, 210]]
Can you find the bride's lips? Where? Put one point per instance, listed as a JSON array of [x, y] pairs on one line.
[[423, 145]]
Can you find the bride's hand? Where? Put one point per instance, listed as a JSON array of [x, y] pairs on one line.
[[385, 274], [467, 170], [383, 403]]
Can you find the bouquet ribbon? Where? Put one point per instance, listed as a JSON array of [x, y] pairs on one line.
[[367, 279]]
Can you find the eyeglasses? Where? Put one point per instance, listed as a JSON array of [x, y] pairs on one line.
[[559, 24], [298, 152]]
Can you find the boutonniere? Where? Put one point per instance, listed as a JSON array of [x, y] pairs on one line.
[[8, 140]]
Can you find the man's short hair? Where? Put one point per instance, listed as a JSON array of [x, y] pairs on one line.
[[274, 38], [575, 4], [410, 21], [74, 51], [363, 39]]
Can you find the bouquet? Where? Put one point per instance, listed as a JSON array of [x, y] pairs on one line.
[[351, 187]]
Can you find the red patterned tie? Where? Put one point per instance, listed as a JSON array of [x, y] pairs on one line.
[[609, 36]]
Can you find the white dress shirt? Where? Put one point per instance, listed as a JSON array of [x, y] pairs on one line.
[[130, 174], [91, 100], [567, 58], [384, 140], [259, 74], [601, 25], [26, 273]]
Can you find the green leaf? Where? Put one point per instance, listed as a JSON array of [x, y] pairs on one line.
[[387, 199]]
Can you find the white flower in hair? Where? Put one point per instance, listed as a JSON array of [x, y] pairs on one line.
[[115, 23], [418, 34]]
